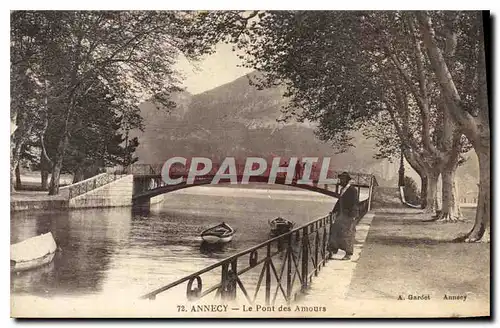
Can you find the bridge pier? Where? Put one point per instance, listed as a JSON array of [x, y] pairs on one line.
[[141, 184], [141, 205]]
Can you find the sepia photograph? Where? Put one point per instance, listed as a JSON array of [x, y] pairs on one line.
[[250, 163]]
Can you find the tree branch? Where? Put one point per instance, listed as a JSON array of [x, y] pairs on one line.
[[406, 78], [420, 65], [445, 79]]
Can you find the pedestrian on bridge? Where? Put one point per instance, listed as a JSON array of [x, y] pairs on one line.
[[345, 212], [298, 171]]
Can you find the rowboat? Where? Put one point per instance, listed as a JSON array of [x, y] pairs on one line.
[[221, 233], [280, 226], [32, 253]]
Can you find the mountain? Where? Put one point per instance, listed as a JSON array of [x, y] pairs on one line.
[[236, 119]]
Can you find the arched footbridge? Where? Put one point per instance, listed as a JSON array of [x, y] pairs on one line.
[[148, 182]]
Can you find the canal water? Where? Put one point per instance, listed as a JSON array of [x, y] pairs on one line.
[[114, 251]]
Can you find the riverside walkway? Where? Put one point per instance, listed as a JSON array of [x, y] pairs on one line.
[[403, 267], [335, 278], [36, 200]]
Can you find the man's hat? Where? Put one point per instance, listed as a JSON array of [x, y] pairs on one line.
[[345, 175]]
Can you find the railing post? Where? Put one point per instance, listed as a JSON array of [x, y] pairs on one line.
[[289, 271], [325, 240], [268, 274], [233, 276], [316, 249], [370, 192], [227, 281], [305, 258]]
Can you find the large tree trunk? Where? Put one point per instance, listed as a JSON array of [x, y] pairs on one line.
[[18, 177], [19, 138], [475, 127], [450, 210], [56, 176], [78, 175], [481, 229], [14, 163], [431, 199], [44, 174], [12, 178], [45, 162], [57, 166], [401, 180], [423, 191], [44, 171]]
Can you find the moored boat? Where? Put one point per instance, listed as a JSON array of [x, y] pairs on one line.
[[32, 252], [280, 226], [221, 233]]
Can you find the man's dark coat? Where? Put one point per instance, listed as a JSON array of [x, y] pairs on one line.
[[343, 229]]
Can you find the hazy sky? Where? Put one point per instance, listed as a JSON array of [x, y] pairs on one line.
[[212, 71]]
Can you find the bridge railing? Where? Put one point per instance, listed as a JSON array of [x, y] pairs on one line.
[[282, 267], [273, 272], [82, 187], [360, 179]]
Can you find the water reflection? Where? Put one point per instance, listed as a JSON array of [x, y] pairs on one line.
[[212, 249], [87, 240]]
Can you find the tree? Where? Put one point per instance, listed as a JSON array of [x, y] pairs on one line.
[[462, 80], [342, 69], [97, 140], [25, 87], [130, 52], [436, 145]]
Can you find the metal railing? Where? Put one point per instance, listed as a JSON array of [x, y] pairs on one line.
[[90, 184], [277, 270], [360, 179]]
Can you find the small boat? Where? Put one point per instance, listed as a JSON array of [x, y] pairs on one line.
[[280, 226], [32, 253], [221, 233]]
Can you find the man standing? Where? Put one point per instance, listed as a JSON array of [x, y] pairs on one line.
[[298, 169], [345, 212]]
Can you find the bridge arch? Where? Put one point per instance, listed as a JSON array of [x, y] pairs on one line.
[[142, 196]]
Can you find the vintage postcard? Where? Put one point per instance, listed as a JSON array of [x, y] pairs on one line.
[[261, 164]]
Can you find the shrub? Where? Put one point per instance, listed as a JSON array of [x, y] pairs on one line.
[[411, 190]]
